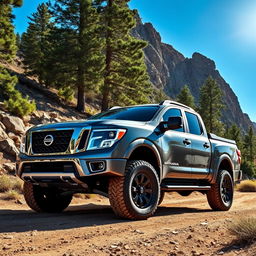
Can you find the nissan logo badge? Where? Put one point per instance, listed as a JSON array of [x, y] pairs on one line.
[[48, 140]]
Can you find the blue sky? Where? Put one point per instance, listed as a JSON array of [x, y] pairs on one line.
[[224, 31]]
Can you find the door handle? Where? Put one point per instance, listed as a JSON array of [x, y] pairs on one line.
[[187, 142], [206, 145]]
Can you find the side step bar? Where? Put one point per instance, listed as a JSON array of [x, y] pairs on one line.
[[186, 187]]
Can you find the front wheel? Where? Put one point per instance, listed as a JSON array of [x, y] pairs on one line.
[[220, 196], [136, 194], [42, 199], [161, 198]]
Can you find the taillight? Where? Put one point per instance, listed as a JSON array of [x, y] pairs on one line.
[[238, 152]]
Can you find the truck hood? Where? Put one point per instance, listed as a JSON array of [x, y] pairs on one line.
[[106, 123]]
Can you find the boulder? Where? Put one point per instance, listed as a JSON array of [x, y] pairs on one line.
[[12, 123], [7, 146], [2, 127], [53, 115], [15, 138], [3, 134], [9, 167]]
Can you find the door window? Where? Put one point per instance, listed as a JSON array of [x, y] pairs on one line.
[[194, 124], [171, 113]]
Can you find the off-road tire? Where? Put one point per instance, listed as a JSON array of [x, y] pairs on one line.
[[161, 198], [121, 191], [215, 196], [46, 199]]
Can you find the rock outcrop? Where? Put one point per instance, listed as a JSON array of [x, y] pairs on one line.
[[170, 70]]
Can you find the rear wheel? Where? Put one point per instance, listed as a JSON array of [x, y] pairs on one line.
[[220, 196], [136, 194], [46, 199]]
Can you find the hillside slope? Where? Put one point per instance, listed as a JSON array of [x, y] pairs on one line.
[[170, 70]]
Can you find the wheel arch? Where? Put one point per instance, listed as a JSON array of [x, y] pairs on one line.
[[143, 149], [224, 163]]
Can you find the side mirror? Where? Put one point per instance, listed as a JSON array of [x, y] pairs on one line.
[[173, 123]]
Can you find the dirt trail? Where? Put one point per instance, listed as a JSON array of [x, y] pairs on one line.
[[181, 226]]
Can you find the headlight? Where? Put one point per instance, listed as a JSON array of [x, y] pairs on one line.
[[23, 145], [104, 138]]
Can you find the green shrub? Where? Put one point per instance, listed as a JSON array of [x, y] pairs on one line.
[[247, 186], [66, 93], [20, 106], [244, 229], [248, 169], [91, 111], [14, 101]]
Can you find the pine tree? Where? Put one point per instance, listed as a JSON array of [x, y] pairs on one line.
[[14, 101], [35, 44], [125, 80], [79, 28], [7, 37], [18, 40], [211, 105], [234, 133], [185, 97], [250, 146]]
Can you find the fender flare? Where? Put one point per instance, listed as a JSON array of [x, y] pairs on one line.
[[144, 143], [223, 157]]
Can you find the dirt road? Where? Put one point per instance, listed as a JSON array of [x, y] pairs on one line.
[[181, 226]]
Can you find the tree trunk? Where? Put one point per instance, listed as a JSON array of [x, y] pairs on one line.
[[106, 87], [80, 97], [80, 73], [105, 100]]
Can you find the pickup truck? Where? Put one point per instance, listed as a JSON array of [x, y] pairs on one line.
[[132, 155]]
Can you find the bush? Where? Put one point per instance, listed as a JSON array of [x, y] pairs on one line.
[[18, 185], [8, 182], [66, 93], [247, 186], [15, 102], [20, 106], [11, 195], [5, 183], [244, 229], [248, 169]]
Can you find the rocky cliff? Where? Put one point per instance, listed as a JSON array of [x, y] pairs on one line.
[[170, 70]]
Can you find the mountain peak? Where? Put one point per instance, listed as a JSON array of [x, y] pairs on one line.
[[170, 70]]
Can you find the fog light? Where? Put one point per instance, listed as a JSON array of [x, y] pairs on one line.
[[98, 166]]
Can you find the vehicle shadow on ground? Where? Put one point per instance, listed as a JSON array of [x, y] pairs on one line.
[[74, 217]]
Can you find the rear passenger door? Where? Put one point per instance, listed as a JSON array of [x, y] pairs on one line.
[[200, 147]]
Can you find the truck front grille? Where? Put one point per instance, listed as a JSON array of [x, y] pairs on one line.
[[60, 141]]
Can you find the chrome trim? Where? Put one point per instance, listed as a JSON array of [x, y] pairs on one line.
[[176, 187], [73, 144], [75, 161], [59, 175]]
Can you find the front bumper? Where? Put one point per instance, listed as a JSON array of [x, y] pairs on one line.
[[81, 168]]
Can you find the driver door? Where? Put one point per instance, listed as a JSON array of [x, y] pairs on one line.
[[176, 149]]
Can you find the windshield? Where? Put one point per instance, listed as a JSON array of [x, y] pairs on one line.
[[141, 113]]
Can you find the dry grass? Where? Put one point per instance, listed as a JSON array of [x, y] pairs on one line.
[[244, 230], [11, 195], [247, 186], [5, 183], [8, 183], [18, 185]]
